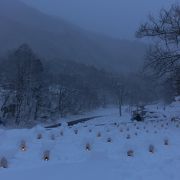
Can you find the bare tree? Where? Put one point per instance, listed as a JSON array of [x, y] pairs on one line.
[[120, 93], [164, 55], [24, 76]]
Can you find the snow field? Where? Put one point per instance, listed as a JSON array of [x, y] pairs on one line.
[[146, 142]]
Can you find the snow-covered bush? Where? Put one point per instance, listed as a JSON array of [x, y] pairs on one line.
[[39, 131], [76, 131], [53, 137], [130, 153], [88, 147], [39, 136], [46, 155], [4, 162], [166, 142], [99, 134], [109, 140], [128, 136], [151, 149], [23, 146]]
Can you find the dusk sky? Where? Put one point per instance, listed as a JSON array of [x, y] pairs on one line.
[[118, 18]]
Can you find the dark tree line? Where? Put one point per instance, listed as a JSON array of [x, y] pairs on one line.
[[33, 90]]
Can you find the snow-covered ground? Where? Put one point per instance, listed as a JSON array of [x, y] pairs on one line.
[[93, 151]]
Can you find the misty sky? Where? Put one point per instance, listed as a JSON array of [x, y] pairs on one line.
[[119, 18]]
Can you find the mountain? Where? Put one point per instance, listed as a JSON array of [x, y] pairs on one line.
[[53, 37]]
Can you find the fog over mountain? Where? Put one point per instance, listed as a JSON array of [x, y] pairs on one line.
[[117, 18], [53, 37]]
